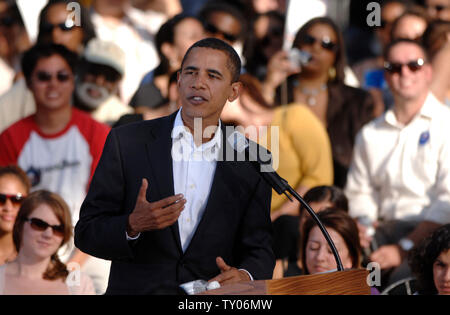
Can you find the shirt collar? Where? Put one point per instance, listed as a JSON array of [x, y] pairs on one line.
[[426, 111], [180, 131]]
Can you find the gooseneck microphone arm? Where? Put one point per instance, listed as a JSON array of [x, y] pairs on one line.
[[280, 185], [340, 267]]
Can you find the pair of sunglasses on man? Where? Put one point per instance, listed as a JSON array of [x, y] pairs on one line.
[[396, 67]]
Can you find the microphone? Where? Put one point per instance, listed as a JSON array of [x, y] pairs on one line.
[[254, 155], [250, 152]]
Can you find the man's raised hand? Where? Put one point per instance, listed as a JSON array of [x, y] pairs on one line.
[[157, 215]]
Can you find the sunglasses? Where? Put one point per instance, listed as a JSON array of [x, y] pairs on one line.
[[16, 200], [438, 7], [41, 226], [214, 30], [396, 67], [43, 76], [65, 26], [326, 43], [7, 21]]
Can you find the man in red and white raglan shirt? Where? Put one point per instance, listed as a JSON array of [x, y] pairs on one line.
[[59, 146]]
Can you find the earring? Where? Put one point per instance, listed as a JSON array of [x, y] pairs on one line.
[[332, 73]]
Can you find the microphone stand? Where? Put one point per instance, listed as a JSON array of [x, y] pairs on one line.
[[241, 146], [281, 186]]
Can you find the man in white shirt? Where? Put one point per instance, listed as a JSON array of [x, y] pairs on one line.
[[165, 206], [400, 175]]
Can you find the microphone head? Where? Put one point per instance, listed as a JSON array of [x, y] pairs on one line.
[[238, 141]]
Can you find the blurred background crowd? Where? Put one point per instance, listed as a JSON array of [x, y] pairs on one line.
[[351, 85]]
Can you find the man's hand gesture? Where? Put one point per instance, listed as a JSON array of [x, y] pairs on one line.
[[157, 215]]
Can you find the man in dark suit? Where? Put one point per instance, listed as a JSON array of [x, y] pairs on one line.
[[163, 215]]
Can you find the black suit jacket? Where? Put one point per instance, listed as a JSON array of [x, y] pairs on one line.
[[235, 225]]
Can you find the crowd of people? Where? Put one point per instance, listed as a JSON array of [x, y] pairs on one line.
[[360, 136]]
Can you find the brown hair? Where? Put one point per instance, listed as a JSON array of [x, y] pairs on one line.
[[16, 171], [252, 86], [56, 269], [416, 11], [343, 224], [435, 36]]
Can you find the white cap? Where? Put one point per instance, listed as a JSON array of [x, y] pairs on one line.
[[105, 53]]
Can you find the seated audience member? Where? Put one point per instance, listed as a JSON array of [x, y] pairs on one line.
[[437, 41], [430, 263], [399, 177], [56, 25], [14, 187], [59, 146], [319, 85], [224, 21], [370, 71], [298, 141], [438, 9], [172, 41], [288, 229], [98, 78], [42, 227], [113, 23], [411, 24], [315, 253]]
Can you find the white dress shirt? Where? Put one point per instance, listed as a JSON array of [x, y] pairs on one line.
[[403, 172], [193, 172]]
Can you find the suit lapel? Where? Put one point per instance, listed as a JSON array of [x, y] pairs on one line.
[[159, 152]]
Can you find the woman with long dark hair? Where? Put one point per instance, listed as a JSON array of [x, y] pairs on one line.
[[319, 85]]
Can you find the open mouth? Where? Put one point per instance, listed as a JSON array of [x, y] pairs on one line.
[[52, 95], [197, 99]]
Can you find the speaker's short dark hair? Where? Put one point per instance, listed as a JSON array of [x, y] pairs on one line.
[[39, 51], [233, 62]]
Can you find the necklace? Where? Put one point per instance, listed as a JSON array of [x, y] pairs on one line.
[[311, 94]]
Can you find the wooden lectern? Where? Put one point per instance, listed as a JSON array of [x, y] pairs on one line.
[[349, 282]]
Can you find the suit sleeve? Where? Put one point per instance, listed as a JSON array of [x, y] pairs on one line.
[[100, 231], [256, 240]]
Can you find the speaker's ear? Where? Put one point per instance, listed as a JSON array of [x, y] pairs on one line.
[[235, 91]]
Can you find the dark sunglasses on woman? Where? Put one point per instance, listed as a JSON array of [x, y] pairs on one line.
[[15, 199], [214, 30], [326, 43], [40, 225], [44, 76], [65, 26], [396, 67]]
